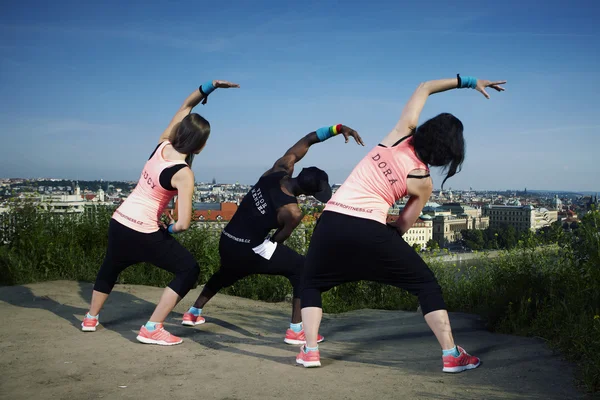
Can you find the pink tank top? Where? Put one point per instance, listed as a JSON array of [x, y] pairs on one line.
[[377, 182], [141, 211]]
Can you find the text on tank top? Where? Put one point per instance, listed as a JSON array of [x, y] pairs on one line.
[[142, 209], [377, 182], [257, 214]]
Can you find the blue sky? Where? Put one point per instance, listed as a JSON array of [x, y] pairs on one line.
[[86, 89]]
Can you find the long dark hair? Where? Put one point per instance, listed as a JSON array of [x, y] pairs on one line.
[[190, 136], [439, 142]]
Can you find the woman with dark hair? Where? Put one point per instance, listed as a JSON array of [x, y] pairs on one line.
[[135, 232], [352, 241]]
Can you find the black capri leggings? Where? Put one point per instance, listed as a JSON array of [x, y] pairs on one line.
[[127, 247], [238, 260], [349, 249]]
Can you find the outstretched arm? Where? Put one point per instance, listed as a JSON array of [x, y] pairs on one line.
[[299, 150], [200, 95], [411, 112]]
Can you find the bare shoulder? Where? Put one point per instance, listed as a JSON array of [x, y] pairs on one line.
[[396, 135], [285, 164], [185, 176], [419, 183]]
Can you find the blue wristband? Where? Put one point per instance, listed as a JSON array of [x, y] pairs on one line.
[[324, 133], [170, 228], [207, 88], [468, 82]]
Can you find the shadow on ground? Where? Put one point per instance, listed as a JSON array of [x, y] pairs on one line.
[[383, 349]]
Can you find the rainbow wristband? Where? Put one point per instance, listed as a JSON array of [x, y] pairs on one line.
[[170, 229], [466, 81], [326, 132], [207, 88]]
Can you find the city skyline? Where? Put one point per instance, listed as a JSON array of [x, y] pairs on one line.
[[88, 88], [247, 184]]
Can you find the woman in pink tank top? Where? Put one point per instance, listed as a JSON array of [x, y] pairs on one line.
[[135, 233], [352, 241]]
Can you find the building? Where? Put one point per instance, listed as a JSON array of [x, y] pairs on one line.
[[224, 213], [447, 228], [447, 221], [450, 219], [543, 217], [63, 204], [557, 203], [420, 233], [522, 218], [72, 203], [462, 209]]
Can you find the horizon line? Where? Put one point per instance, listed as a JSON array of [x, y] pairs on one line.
[[332, 184]]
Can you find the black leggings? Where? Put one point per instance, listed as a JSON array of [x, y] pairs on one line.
[[349, 249], [238, 261], [127, 247]]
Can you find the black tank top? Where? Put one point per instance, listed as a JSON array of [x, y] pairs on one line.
[[257, 213]]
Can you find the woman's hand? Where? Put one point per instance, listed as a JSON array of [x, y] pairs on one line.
[[221, 85], [225, 84], [482, 84]]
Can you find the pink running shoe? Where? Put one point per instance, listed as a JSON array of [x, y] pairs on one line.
[[310, 359], [461, 363], [158, 336], [190, 319], [292, 337], [89, 324]]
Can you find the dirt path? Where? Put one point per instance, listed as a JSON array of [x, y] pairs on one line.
[[239, 353]]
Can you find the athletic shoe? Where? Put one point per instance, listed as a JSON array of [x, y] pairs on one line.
[[461, 363], [89, 324], [158, 336], [310, 359], [292, 337], [190, 319]]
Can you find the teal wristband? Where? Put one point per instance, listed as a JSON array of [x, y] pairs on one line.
[[467, 82], [326, 132], [207, 88], [170, 229]]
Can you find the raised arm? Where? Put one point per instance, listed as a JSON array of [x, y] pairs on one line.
[[299, 150], [409, 118], [197, 96]]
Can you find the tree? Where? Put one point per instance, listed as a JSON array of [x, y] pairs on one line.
[[529, 239], [512, 237], [416, 246], [473, 238], [490, 237], [574, 225], [432, 245]]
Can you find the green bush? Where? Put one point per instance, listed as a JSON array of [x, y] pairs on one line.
[[548, 292]]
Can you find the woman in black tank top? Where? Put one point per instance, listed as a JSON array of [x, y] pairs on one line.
[[245, 246]]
